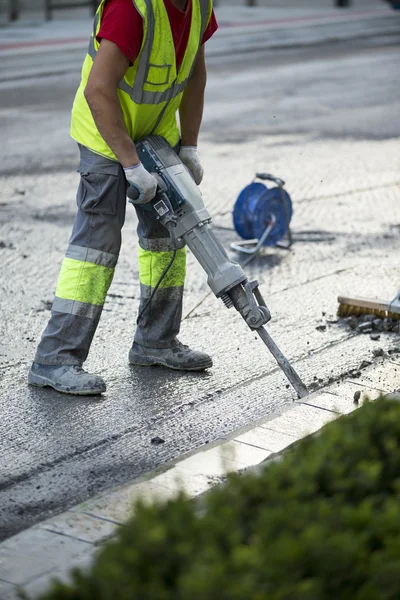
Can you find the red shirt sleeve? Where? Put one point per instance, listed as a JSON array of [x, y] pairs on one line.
[[211, 28], [122, 25]]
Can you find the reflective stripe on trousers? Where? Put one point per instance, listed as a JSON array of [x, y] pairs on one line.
[[88, 268], [159, 324]]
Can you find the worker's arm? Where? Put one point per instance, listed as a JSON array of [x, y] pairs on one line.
[[101, 94], [192, 105], [109, 68], [191, 114]]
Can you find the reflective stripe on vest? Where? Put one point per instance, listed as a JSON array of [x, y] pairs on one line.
[[137, 92]]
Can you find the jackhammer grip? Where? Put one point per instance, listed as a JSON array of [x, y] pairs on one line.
[[132, 193]]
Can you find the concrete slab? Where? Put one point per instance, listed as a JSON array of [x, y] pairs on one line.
[[5, 589], [35, 552], [80, 526], [300, 421], [118, 506], [227, 458], [18, 568], [180, 480], [41, 584], [346, 389], [384, 377], [268, 439], [336, 402]]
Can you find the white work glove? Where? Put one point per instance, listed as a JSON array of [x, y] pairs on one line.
[[143, 181], [190, 158]]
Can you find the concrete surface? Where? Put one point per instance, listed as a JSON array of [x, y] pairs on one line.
[[49, 550], [325, 118]]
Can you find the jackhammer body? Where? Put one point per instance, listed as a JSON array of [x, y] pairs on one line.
[[179, 206]]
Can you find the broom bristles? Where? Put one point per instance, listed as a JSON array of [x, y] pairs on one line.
[[348, 310]]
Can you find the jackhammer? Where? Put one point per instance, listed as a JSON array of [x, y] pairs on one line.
[[179, 207]]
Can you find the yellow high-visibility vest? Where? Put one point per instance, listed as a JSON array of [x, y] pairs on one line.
[[151, 91]]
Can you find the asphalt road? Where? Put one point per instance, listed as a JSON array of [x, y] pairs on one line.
[[326, 119]]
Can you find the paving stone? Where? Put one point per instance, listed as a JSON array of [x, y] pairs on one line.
[[35, 552], [41, 584], [274, 441], [230, 457], [18, 568], [13, 595], [81, 526], [384, 377], [181, 480], [118, 506], [347, 389], [6, 589], [300, 421], [339, 401]]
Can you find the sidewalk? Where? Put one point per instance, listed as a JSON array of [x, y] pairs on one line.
[[72, 28], [51, 549]]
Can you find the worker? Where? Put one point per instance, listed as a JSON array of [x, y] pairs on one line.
[[145, 62]]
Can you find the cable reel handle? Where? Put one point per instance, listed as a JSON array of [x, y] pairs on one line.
[[268, 177]]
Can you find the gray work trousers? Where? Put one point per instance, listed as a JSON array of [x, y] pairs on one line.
[[89, 263]]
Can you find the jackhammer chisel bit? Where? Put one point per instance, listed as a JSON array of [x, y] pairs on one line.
[[248, 301]]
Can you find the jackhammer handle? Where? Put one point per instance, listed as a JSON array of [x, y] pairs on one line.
[[132, 193]]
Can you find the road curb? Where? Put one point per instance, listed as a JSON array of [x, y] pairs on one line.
[[50, 549]]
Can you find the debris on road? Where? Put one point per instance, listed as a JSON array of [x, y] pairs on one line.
[[378, 352], [9, 246], [365, 364], [157, 441], [375, 337], [365, 327], [369, 324]]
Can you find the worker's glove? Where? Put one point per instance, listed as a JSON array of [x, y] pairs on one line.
[[190, 158], [143, 181]]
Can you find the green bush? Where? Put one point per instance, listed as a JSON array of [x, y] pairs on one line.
[[322, 523]]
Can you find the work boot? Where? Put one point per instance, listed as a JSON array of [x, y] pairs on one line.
[[178, 357], [68, 379]]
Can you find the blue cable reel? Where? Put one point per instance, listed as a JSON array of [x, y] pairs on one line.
[[262, 215]]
